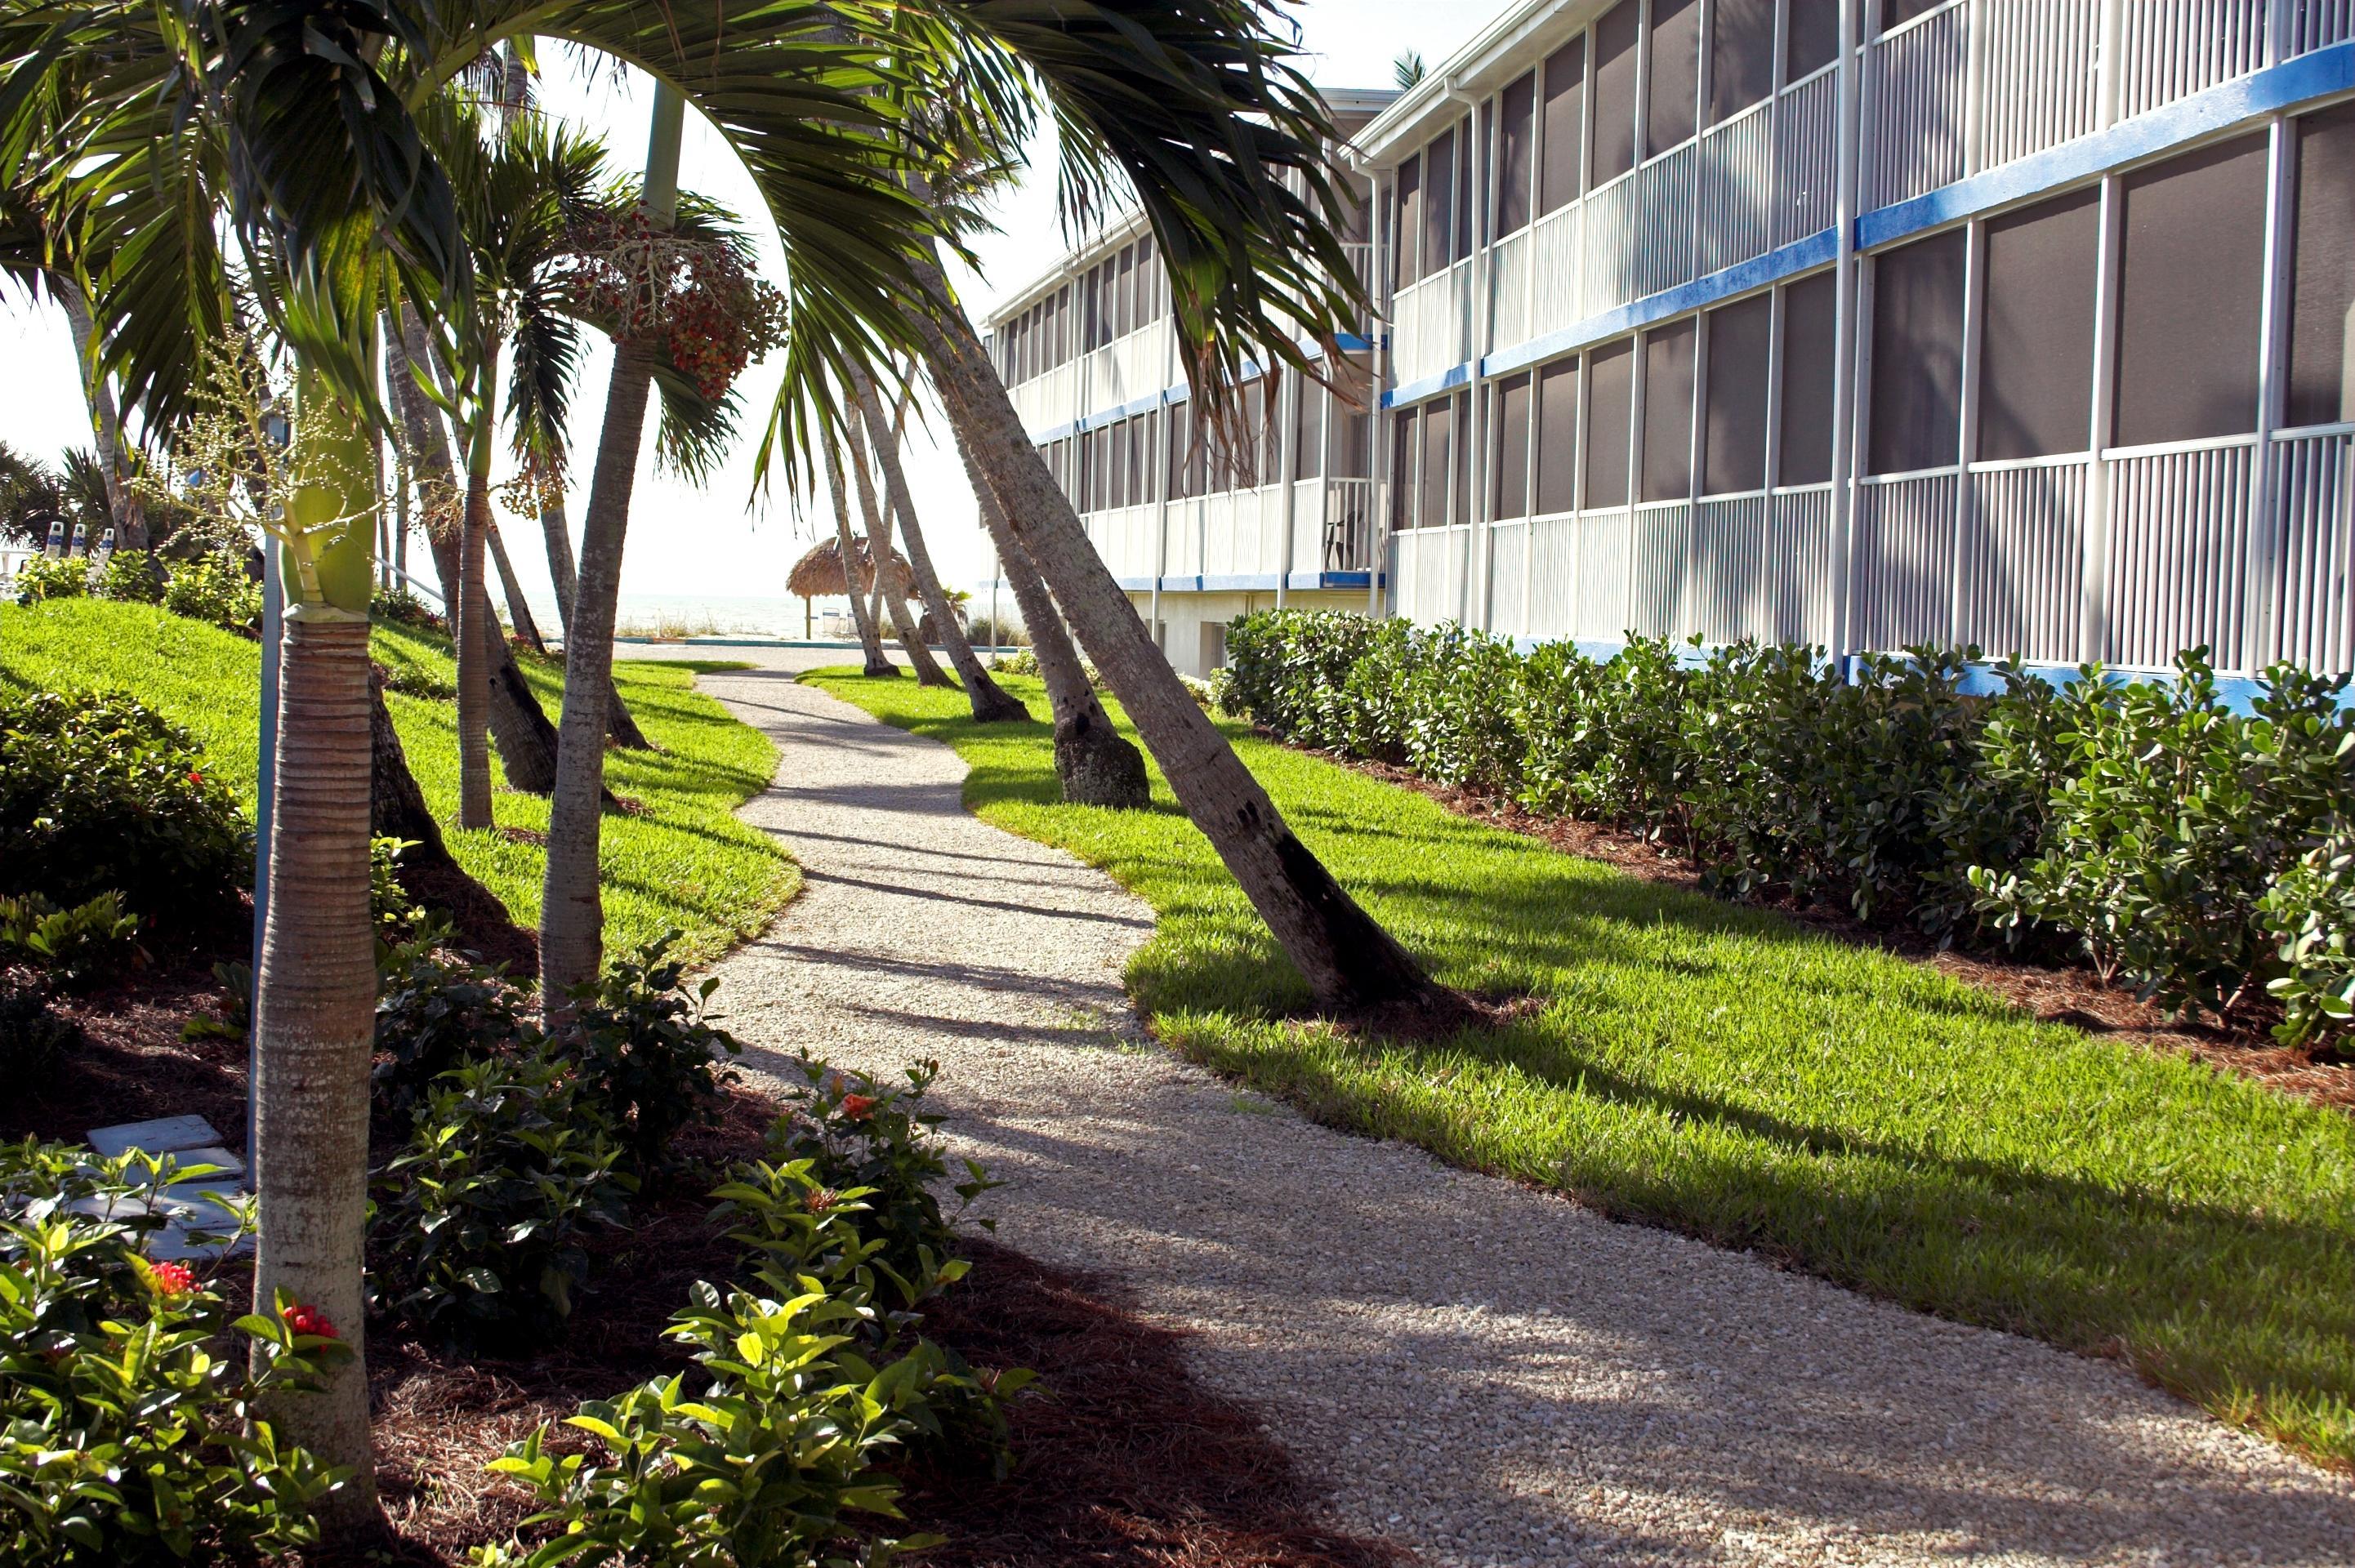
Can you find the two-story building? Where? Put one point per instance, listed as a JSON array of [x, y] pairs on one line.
[[1868, 323]]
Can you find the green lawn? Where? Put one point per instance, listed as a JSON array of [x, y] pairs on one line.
[[1720, 1071], [686, 863]]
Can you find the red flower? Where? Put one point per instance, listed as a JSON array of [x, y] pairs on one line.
[[309, 1320], [171, 1278], [195, 776], [855, 1107]]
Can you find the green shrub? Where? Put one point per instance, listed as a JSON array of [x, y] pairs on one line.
[[1462, 694], [647, 1049], [129, 1431], [99, 793], [215, 588], [437, 1010], [41, 577], [2175, 819], [394, 914], [85, 946], [1630, 738], [33, 1039], [2313, 909], [131, 576], [399, 607], [476, 1236]]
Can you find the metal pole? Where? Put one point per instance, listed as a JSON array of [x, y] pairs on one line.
[[264, 807]]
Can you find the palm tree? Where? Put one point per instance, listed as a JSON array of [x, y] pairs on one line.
[[878, 543], [989, 703], [870, 639]]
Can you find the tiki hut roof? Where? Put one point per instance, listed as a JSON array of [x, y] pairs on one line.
[[819, 575]]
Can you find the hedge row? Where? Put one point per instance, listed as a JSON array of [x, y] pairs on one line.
[[2202, 856]]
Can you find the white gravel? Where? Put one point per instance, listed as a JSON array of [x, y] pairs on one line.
[[1481, 1374]]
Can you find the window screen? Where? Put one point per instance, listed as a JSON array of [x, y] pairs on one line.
[[1615, 92], [1897, 13], [1181, 442], [1460, 475], [1508, 486], [1136, 432], [1351, 429], [1810, 368], [1252, 460], [1124, 296], [1812, 41], [1561, 130], [1466, 190], [1733, 438], [1438, 200], [1148, 283], [1740, 55], [2036, 351], [1917, 354], [1557, 437], [1438, 446], [1676, 74], [1668, 411], [1404, 444], [1610, 406], [1307, 428], [2190, 275], [1410, 234], [1515, 154], [2322, 292]]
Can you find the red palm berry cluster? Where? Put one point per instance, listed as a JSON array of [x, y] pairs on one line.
[[171, 1278], [304, 1320], [697, 297]]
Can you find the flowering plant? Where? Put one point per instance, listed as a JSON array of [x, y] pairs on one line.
[[696, 295]]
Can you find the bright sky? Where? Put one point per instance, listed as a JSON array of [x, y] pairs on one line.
[[718, 540]]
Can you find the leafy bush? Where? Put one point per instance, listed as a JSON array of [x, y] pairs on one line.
[[476, 1236], [129, 1431], [2313, 909], [215, 588], [33, 1039], [399, 607], [41, 577], [437, 1010], [394, 914], [130, 575], [647, 1049], [99, 793], [86, 945]]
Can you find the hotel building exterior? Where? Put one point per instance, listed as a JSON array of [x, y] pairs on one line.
[[1865, 323]]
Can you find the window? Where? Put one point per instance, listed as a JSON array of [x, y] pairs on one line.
[[1897, 13], [2322, 287], [1733, 433], [1464, 192], [1740, 55], [1508, 488], [1307, 428], [1180, 453], [2036, 349], [1460, 473], [1615, 92], [1812, 40], [1439, 200], [1676, 75], [1405, 441], [1123, 310], [1810, 369], [1148, 283], [1140, 436], [1610, 406], [1438, 448], [1252, 460], [1669, 411], [1560, 131], [1410, 234], [1557, 437], [1351, 427], [1917, 354], [1517, 131], [2190, 276]]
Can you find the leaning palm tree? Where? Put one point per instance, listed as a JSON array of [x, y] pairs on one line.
[[878, 542]]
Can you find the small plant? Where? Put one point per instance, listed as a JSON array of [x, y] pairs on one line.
[[395, 914], [99, 793], [215, 588], [2313, 909], [33, 1039], [648, 1048], [131, 576], [128, 1427], [436, 1011], [41, 577], [397, 606], [79, 948], [476, 1236]]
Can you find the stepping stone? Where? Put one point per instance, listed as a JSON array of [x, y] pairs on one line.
[[165, 1135], [230, 1175]]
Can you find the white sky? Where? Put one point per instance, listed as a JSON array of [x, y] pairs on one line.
[[716, 541]]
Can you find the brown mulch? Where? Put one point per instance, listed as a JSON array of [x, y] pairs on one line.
[[2052, 993]]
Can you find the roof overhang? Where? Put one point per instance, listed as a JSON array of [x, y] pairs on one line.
[[1507, 47]]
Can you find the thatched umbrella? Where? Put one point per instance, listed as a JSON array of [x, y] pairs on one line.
[[819, 575]]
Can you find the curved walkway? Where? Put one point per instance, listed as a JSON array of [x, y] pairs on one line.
[[1482, 1373]]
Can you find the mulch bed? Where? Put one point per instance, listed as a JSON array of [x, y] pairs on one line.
[[2052, 993]]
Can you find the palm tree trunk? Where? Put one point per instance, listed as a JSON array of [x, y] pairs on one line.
[[990, 703], [123, 503], [572, 907], [519, 612], [1096, 765], [879, 544], [870, 640], [620, 727], [526, 741], [477, 628], [1351, 963]]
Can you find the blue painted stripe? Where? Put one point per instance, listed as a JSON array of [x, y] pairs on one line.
[[2261, 93], [1328, 582], [1137, 585], [1429, 387]]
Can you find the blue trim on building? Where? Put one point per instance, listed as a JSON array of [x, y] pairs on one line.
[[2270, 92], [1259, 582], [1329, 582], [1429, 386]]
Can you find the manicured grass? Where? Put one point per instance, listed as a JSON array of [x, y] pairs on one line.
[[686, 862], [1724, 1072]]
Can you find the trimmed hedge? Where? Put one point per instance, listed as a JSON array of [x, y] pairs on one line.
[[2197, 854]]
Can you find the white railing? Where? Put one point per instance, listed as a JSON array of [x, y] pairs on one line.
[[1508, 565], [1659, 543], [1904, 561], [2178, 549], [2318, 23], [1737, 188], [1806, 158], [2042, 63], [2021, 579], [1914, 98], [1511, 286], [1181, 552], [2173, 48], [2312, 590], [1432, 324], [1725, 583], [1552, 576], [1598, 588]]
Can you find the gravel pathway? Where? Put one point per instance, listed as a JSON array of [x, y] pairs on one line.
[[1482, 1373]]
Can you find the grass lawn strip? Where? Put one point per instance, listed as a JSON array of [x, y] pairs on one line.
[[1724, 1072], [684, 861]]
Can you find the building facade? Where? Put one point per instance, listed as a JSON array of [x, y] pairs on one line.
[[1866, 323]]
